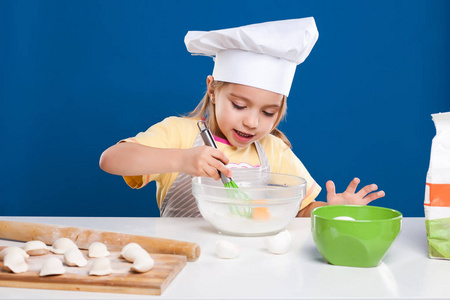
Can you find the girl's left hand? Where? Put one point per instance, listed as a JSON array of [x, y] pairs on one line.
[[350, 196]]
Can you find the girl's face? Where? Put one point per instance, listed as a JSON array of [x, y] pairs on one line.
[[245, 114]]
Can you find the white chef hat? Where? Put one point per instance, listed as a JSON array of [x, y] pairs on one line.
[[261, 55]]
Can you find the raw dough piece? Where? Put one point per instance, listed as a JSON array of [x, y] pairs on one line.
[[143, 264], [13, 249], [52, 266], [62, 245], [35, 248], [133, 253], [141, 259], [101, 266], [279, 243], [344, 218], [74, 258], [98, 249], [129, 246], [15, 262], [226, 249]]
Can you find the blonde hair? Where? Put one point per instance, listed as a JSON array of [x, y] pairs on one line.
[[205, 109]]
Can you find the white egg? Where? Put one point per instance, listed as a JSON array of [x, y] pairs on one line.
[[345, 218], [279, 243], [226, 249]]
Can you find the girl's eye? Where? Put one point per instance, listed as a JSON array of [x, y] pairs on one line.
[[268, 114], [237, 106]]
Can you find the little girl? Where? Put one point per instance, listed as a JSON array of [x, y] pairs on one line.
[[244, 102]]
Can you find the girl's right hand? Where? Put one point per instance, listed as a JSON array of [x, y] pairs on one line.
[[205, 161]]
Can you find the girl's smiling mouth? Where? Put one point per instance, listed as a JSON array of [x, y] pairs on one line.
[[242, 137]]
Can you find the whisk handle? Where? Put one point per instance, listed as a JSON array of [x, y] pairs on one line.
[[206, 134], [208, 139]]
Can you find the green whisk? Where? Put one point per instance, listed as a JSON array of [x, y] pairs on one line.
[[227, 182]]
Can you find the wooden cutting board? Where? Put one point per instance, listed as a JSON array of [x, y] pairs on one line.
[[122, 280]]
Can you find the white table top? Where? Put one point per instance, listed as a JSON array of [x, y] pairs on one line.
[[301, 273]]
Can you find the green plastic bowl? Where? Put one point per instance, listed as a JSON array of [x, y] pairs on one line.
[[362, 242]]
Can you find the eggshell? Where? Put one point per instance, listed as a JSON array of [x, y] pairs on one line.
[[227, 250], [346, 218]]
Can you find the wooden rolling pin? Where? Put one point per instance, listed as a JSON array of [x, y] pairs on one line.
[[83, 238]]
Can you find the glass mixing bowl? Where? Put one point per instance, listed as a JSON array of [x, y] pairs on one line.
[[264, 203]]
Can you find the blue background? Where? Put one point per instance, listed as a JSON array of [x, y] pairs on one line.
[[77, 76]]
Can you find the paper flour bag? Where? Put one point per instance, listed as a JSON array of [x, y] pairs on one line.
[[437, 191]]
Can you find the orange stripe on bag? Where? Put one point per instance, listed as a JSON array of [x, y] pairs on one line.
[[439, 194]]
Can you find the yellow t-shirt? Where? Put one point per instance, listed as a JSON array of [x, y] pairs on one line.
[[178, 132]]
